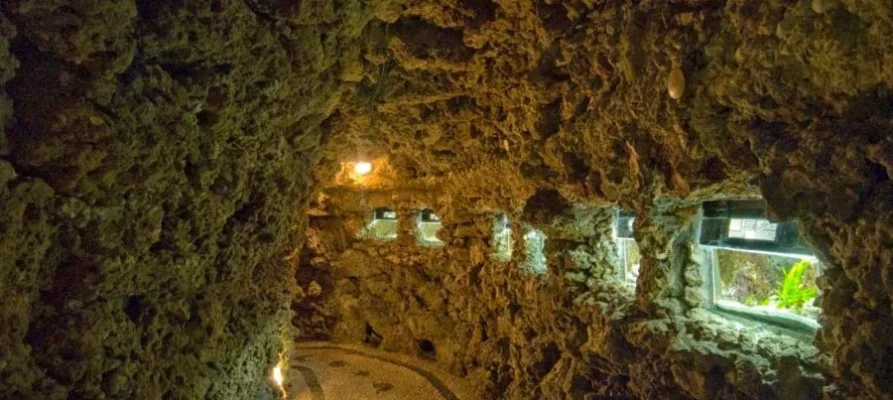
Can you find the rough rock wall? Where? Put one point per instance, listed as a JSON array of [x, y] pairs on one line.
[[574, 333], [155, 159], [155, 156], [657, 105]]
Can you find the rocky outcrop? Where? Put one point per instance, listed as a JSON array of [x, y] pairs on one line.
[[156, 157], [657, 106], [576, 332]]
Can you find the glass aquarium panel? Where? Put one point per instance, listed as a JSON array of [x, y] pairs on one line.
[[753, 229], [385, 214], [384, 229], [624, 224], [428, 232], [768, 282], [503, 243], [429, 216], [743, 225], [631, 259], [534, 244]]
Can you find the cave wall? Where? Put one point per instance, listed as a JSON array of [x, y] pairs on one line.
[[576, 332], [155, 159], [492, 102], [156, 156]]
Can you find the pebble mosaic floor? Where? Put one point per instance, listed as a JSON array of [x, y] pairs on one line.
[[326, 371]]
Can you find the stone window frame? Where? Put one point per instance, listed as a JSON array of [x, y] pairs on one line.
[[784, 322]]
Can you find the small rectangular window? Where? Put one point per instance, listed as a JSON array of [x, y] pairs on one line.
[[503, 242], [429, 216], [623, 224], [760, 269], [626, 243], [534, 246], [383, 226], [428, 226], [767, 281], [631, 259], [385, 214], [743, 225]]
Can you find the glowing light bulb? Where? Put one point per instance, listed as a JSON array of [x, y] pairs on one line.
[[277, 375], [362, 168]]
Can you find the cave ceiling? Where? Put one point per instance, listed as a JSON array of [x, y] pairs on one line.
[[576, 96]]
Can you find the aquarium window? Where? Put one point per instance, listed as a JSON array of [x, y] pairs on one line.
[[534, 256], [428, 226], [629, 253], [626, 244], [753, 229], [623, 224], [385, 214], [503, 243], [761, 270], [743, 225], [383, 226]]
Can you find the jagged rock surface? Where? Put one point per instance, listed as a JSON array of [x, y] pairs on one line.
[[156, 157], [573, 333], [488, 104]]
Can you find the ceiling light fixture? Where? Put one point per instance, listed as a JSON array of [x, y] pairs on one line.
[[362, 168]]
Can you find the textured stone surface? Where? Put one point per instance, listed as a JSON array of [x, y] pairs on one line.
[[492, 103], [156, 160], [156, 157], [574, 333], [327, 371]]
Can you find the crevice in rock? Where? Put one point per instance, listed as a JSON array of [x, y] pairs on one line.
[[427, 349]]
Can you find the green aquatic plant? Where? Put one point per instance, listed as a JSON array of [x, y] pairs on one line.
[[752, 300], [793, 293]]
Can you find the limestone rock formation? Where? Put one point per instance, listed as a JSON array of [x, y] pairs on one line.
[[155, 164], [173, 197]]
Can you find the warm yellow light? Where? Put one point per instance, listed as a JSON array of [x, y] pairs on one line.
[[362, 168], [277, 376]]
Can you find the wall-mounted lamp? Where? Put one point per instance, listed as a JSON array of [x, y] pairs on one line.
[[277, 376], [278, 379]]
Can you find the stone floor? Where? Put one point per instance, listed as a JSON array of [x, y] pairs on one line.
[[327, 371]]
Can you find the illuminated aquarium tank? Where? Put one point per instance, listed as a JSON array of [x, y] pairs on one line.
[[768, 281], [503, 243], [742, 225], [534, 258], [428, 226], [760, 268], [631, 260], [383, 225], [626, 242]]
